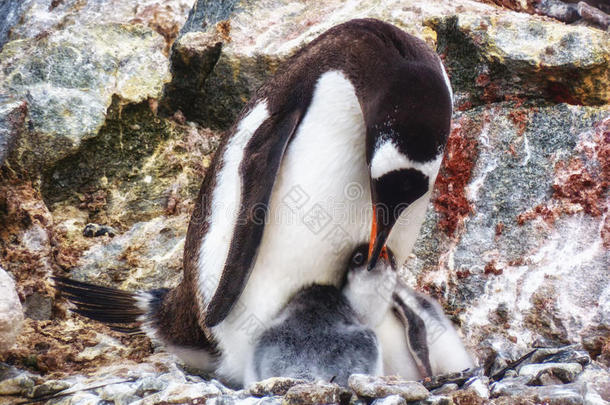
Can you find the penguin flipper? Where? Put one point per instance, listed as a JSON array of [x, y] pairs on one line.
[[258, 172], [415, 332]]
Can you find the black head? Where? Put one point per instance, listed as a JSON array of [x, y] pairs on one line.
[[408, 123]]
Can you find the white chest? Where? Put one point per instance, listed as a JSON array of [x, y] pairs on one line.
[[320, 209]]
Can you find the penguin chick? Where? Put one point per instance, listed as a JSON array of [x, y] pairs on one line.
[[446, 350], [316, 336], [416, 337]]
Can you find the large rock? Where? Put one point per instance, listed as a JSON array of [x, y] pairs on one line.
[[68, 79], [379, 387], [30, 18], [147, 256], [492, 58], [228, 49], [11, 313], [226, 52], [517, 245]]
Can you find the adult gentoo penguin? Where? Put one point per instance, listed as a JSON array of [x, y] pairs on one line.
[[365, 104]]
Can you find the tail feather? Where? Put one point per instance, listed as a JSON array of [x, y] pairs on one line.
[[103, 304]]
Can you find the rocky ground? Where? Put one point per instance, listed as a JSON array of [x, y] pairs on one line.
[[110, 112]]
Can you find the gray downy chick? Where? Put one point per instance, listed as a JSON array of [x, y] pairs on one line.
[[317, 336]]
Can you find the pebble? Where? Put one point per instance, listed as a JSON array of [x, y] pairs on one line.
[[565, 372], [47, 388], [479, 385], [379, 387], [437, 400], [390, 400], [445, 389], [273, 386], [95, 230], [315, 393]]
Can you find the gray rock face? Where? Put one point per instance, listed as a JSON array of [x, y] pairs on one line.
[[252, 49], [11, 313], [489, 56], [529, 177]]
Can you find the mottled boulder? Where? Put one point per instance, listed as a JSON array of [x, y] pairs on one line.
[[228, 49], [68, 79], [31, 18], [492, 58], [517, 243], [11, 313]]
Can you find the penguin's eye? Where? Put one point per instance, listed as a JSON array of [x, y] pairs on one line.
[[358, 259]]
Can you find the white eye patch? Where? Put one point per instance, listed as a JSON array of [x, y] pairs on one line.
[[387, 158]]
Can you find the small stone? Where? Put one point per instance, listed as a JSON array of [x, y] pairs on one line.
[[390, 400], [149, 385], [437, 400], [566, 372], [508, 385], [548, 379], [458, 378], [16, 385], [11, 313], [445, 389], [565, 354], [379, 387], [273, 386], [479, 385], [47, 388], [315, 393], [593, 15], [95, 230], [194, 390], [38, 306], [564, 394], [558, 9]]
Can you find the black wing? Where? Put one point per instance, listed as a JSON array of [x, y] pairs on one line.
[[258, 170]]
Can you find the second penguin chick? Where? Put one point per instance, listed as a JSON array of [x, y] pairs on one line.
[[317, 336]]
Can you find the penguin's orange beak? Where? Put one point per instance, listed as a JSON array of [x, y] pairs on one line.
[[379, 235]]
